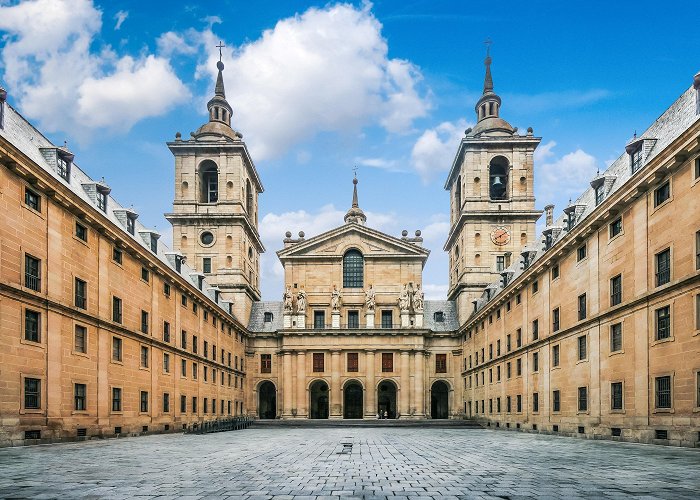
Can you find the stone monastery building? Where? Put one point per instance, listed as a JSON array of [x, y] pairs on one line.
[[591, 328]]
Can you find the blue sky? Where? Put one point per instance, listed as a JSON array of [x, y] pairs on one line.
[[318, 88]]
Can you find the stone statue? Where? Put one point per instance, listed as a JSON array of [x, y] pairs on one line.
[[287, 298], [369, 299], [335, 299], [404, 300], [418, 299], [301, 301]]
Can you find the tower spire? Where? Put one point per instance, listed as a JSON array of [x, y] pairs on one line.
[[355, 214], [489, 103], [488, 79]]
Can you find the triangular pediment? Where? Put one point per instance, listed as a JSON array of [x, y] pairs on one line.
[[370, 242]]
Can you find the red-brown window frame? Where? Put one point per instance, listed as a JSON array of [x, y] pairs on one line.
[[353, 362], [266, 363], [318, 362], [441, 363], [387, 362]]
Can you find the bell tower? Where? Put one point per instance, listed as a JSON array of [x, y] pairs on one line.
[[492, 202], [215, 211]]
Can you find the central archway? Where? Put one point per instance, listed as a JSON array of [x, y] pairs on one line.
[[267, 400], [386, 399], [353, 400], [439, 408], [318, 393]]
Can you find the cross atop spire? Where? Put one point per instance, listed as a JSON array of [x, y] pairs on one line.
[[220, 46]]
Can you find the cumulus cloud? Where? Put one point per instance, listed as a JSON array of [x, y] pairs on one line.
[[326, 70], [434, 150], [57, 80], [564, 177], [120, 18]]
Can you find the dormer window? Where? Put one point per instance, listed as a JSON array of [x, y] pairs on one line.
[[636, 158], [599, 194], [131, 223], [570, 220], [268, 317], [154, 243], [102, 200], [548, 240], [439, 317], [63, 165], [178, 263]]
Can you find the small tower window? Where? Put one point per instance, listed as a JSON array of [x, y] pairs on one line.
[[498, 178], [209, 182], [353, 269], [248, 198], [458, 196]]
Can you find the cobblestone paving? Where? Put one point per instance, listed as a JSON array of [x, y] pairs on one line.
[[350, 463]]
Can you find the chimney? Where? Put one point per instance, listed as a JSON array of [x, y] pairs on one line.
[[549, 215]]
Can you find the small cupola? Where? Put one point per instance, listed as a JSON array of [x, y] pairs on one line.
[[220, 112]]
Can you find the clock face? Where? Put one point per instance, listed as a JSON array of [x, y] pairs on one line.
[[500, 236]]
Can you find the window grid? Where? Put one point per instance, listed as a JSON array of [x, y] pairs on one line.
[[663, 392], [32, 273], [441, 363], [616, 290], [663, 323], [387, 362], [32, 393], [616, 337], [663, 267], [353, 269], [353, 362], [616, 396]]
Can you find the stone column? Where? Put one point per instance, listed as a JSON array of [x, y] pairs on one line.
[[302, 399], [336, 406], [287, 387], [370, 390], [419, 389], [405, 385]]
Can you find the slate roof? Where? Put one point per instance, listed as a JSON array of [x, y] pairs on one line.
[[449, 310], [257, 316], [662, 132], [25, 137]]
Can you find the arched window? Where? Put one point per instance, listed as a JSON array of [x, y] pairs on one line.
[[353, 269], [209, 182], [498, 178], [248, 199]]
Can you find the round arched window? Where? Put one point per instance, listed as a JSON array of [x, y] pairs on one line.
[[207, 238], [353, 269]]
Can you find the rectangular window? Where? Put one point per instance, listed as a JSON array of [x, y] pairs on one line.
[[353, 362], [663, 392], [194, 404], [183, 339], [508, 370], [32, 326], [116, 399], [616, 227], [581, 253], [535, 287], [583, 399], [387, 319], [144, 356], [663, 323], [696, 171], [616, 290], [500, 263], [206, 373], [32, 199], [441, 363], [32, 273], [80, 397], [535, 402], [183, 404], [195, 371], [535, 362], [616, 337], [117, 255], [582, 307], [145, 274], [556, 401], [519, 403], [663, 267], [518, 366], [555, 271], [599, 194], [616, 396], [582, 347], [319, 319], [32, 393], [183, 368], [662, 193], [80, 293], [318, 362], [195, 346], [498, 347], [697, 312], [697, 250], [519, 338], [353, 319], [183, 300], [63, 167], [144, 321], [490, 351], [166, 331], [116, 309], [166, 403], [206, 349], [206, 265], [144, 402], [555, 355], [636, 159], [535, 329], [81, 231], [117, 353], [80, 339], [387, 362], [555, 320], [266, 363], [518, 299], [166, 362]]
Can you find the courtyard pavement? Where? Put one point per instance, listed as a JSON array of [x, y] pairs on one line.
[[350, 463]]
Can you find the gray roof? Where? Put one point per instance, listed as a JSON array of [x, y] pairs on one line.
[[22, 135], [257, 316], [449, 310], [665, 129]]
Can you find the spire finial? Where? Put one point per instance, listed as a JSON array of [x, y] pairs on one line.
[[355, 203], [488, 80], [219, 89], [355, 214], [220, 46]]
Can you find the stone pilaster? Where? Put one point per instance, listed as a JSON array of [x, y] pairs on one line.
[[370, 389], [405, 385], [302, 398], [287, 384], [335, 400], [419, 388]]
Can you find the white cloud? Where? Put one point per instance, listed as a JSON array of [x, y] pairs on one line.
[[380, 163], [59, 82], [544, 151], [564, 177], [326, 70], [434, 150], [548, 101], [120, 17], [435, 292]]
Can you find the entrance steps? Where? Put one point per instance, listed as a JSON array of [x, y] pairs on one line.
[[452, 423]]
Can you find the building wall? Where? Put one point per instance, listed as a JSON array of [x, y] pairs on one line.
[[49, 235], [647, 230]]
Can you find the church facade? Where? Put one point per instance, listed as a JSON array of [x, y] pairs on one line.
[[588, 328]]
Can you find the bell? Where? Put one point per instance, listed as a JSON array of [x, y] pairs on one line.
[[497, 182]]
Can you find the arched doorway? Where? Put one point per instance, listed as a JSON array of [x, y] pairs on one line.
[[386, 399], [267, 400], [352, 400], [439, 393], [319, 400]]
